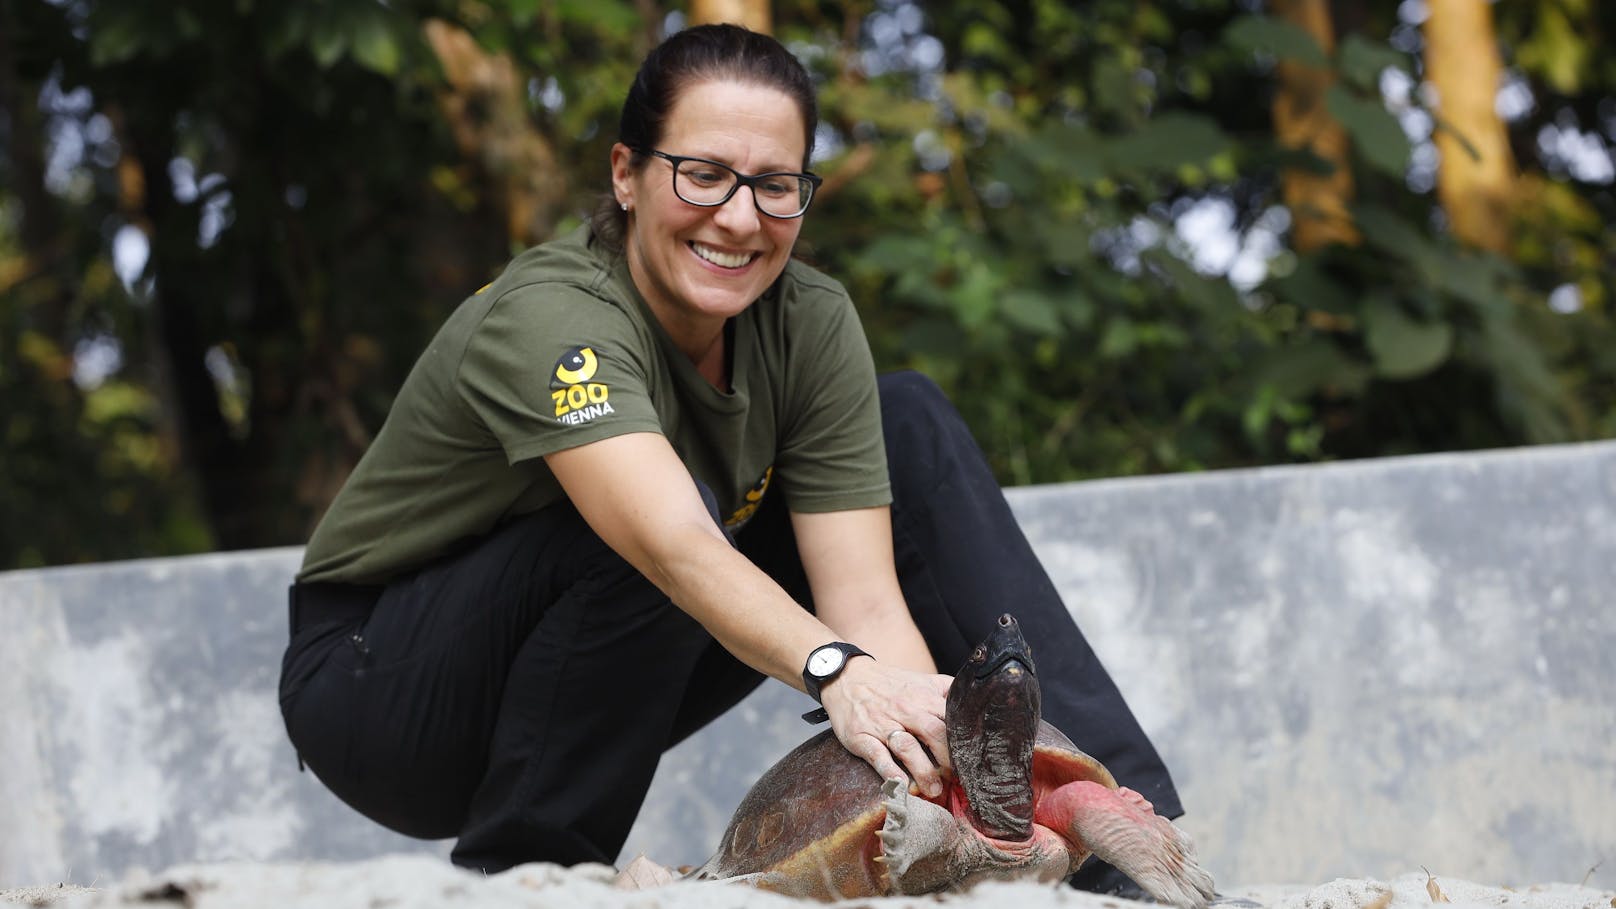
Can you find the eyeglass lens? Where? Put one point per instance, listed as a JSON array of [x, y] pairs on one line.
[[704, 183]]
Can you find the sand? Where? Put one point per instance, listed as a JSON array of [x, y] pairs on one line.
[[425, 882]]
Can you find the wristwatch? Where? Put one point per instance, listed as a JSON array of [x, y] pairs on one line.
[[826, 662]]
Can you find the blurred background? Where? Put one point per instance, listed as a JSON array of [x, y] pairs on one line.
[[1126, 236]]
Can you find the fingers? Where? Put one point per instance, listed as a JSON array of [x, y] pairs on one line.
[[878, 756], [932, 732], [885, 753], [893, 719], [902, 744]]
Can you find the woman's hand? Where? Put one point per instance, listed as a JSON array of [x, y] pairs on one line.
[[889, 716]]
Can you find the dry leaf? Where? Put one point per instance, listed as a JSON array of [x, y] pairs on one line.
[[643, 874], [1437, 896]]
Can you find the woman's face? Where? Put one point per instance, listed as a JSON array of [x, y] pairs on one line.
[[698, 266]]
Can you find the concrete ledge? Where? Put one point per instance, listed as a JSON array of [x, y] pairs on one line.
[[1365, 667], [143, 723], [1352, 669]]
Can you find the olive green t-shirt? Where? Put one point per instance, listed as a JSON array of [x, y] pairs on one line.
[[561, 351]]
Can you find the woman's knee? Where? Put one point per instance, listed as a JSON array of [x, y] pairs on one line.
[[908, 391], [418, 795], [926, 438]]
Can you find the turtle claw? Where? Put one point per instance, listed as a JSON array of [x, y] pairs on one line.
[[891, 832], [915, 833]]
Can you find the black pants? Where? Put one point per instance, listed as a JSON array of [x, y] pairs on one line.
[[518, 695]]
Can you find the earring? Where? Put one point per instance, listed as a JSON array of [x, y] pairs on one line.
[[624, 205]]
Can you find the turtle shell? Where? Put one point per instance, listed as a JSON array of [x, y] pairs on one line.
[[810, 821], [1056, 762], [808, 826]]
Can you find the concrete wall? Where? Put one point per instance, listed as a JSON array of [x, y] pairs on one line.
[[1352, 669]]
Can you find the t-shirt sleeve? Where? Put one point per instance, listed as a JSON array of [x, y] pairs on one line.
[[552, 367], [832, 456]]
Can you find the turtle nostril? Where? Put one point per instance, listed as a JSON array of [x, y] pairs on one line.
[[1005, 620]]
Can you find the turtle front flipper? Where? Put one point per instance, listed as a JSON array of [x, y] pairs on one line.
[[919, 841], [1122, 828]]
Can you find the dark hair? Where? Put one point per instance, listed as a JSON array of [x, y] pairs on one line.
[[700, 54]]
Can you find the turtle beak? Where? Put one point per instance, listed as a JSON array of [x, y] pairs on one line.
[[1003, 647]]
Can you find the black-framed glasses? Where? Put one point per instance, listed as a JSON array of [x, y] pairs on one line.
[[708, 184]]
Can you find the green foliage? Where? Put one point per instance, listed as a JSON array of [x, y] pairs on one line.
[[1276, 38], [1361, 62], [1014, 216], [1375, 133], [1039, 276], [84, 474]]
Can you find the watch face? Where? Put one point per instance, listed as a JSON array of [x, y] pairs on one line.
[[825, 661]]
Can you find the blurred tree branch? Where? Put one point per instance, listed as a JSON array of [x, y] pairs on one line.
[[485, 104], [1476, 176], [753, 14], [1318, 201]]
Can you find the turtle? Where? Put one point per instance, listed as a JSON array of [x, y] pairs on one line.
[[1022, 802]]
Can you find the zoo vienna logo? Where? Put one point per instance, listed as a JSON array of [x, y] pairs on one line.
[[578, 400]]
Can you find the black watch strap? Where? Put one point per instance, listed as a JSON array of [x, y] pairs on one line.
[[813, 681]]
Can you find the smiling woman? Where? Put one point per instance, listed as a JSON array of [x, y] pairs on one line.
[[647, 466], [701, 264]]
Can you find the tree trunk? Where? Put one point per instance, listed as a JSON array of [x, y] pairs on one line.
[[186, 286], [485, 103], [754, 14], [1318, 202], [44, 254], [1476, 177]]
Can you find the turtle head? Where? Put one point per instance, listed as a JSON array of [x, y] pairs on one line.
[[993, 718]]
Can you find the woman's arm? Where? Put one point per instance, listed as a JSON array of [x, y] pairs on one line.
[[847, 556], [637, 495]]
